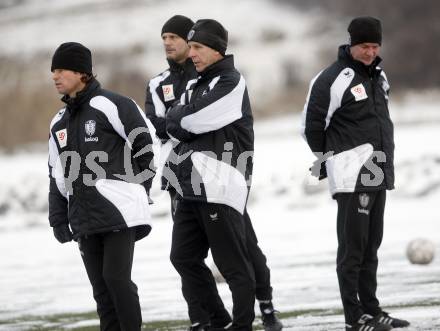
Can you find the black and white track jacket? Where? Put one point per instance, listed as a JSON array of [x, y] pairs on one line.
[[346, 113], [214, 125], [163, 91], [102, 185]]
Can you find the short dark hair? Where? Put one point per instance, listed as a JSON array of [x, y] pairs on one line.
[[87, 77]]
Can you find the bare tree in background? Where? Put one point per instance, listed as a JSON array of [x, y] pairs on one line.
[[411, 33]]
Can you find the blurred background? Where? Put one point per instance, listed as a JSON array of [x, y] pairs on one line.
[[279, 45]]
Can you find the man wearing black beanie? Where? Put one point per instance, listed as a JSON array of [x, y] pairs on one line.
[[162, 92], [347, 125], [72, 56], [176, 79], [88, 201], [210, 33], [365, 30], [213, 117], [179, 25], [205, 215]]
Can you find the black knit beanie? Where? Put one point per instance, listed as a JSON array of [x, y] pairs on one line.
[[365, 29], [210, 33], [179, 25], [72, 56]]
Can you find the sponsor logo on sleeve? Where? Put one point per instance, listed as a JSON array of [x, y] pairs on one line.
[[359, 92], [168, 92], [62, 137], [348, 73]]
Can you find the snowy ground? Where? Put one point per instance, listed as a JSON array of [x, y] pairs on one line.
[[295, 223]]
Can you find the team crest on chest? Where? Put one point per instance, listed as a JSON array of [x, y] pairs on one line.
[[90, 129], [168, 92], [359, 92]]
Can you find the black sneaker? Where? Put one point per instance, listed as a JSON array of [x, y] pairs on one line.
[[385, 318], [367, 323], [270, 320], [199, 327]]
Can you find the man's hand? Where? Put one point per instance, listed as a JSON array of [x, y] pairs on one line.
[[62, 233], [318, 169]]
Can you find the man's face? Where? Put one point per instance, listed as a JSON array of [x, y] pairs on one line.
[[67, 81], [176, 48], [202, 56], [365, 52]]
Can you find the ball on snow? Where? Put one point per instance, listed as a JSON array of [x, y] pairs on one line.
[[420, 251]]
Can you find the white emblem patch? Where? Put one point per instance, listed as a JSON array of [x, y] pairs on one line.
[[90, 127], [168, 92], [364, 199], [359, 92], [190, 34], [62, 137]]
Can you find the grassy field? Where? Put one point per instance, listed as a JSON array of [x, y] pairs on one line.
[[68, 321], [294, 320]]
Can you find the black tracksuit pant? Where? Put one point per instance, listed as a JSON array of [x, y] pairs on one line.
[[197, 314], [199, 226], [108, 259], [360, 231], [263, 290]]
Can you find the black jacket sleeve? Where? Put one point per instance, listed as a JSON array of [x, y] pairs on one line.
[[315, 113], [138, 133], [57, 190], [219, 106], [154, 106]]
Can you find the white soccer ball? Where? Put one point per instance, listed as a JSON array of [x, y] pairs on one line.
[[420, 251]]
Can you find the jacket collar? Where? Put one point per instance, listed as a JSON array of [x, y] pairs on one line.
[[82, 96], [227, 63], [344, 55], [188, 65]]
